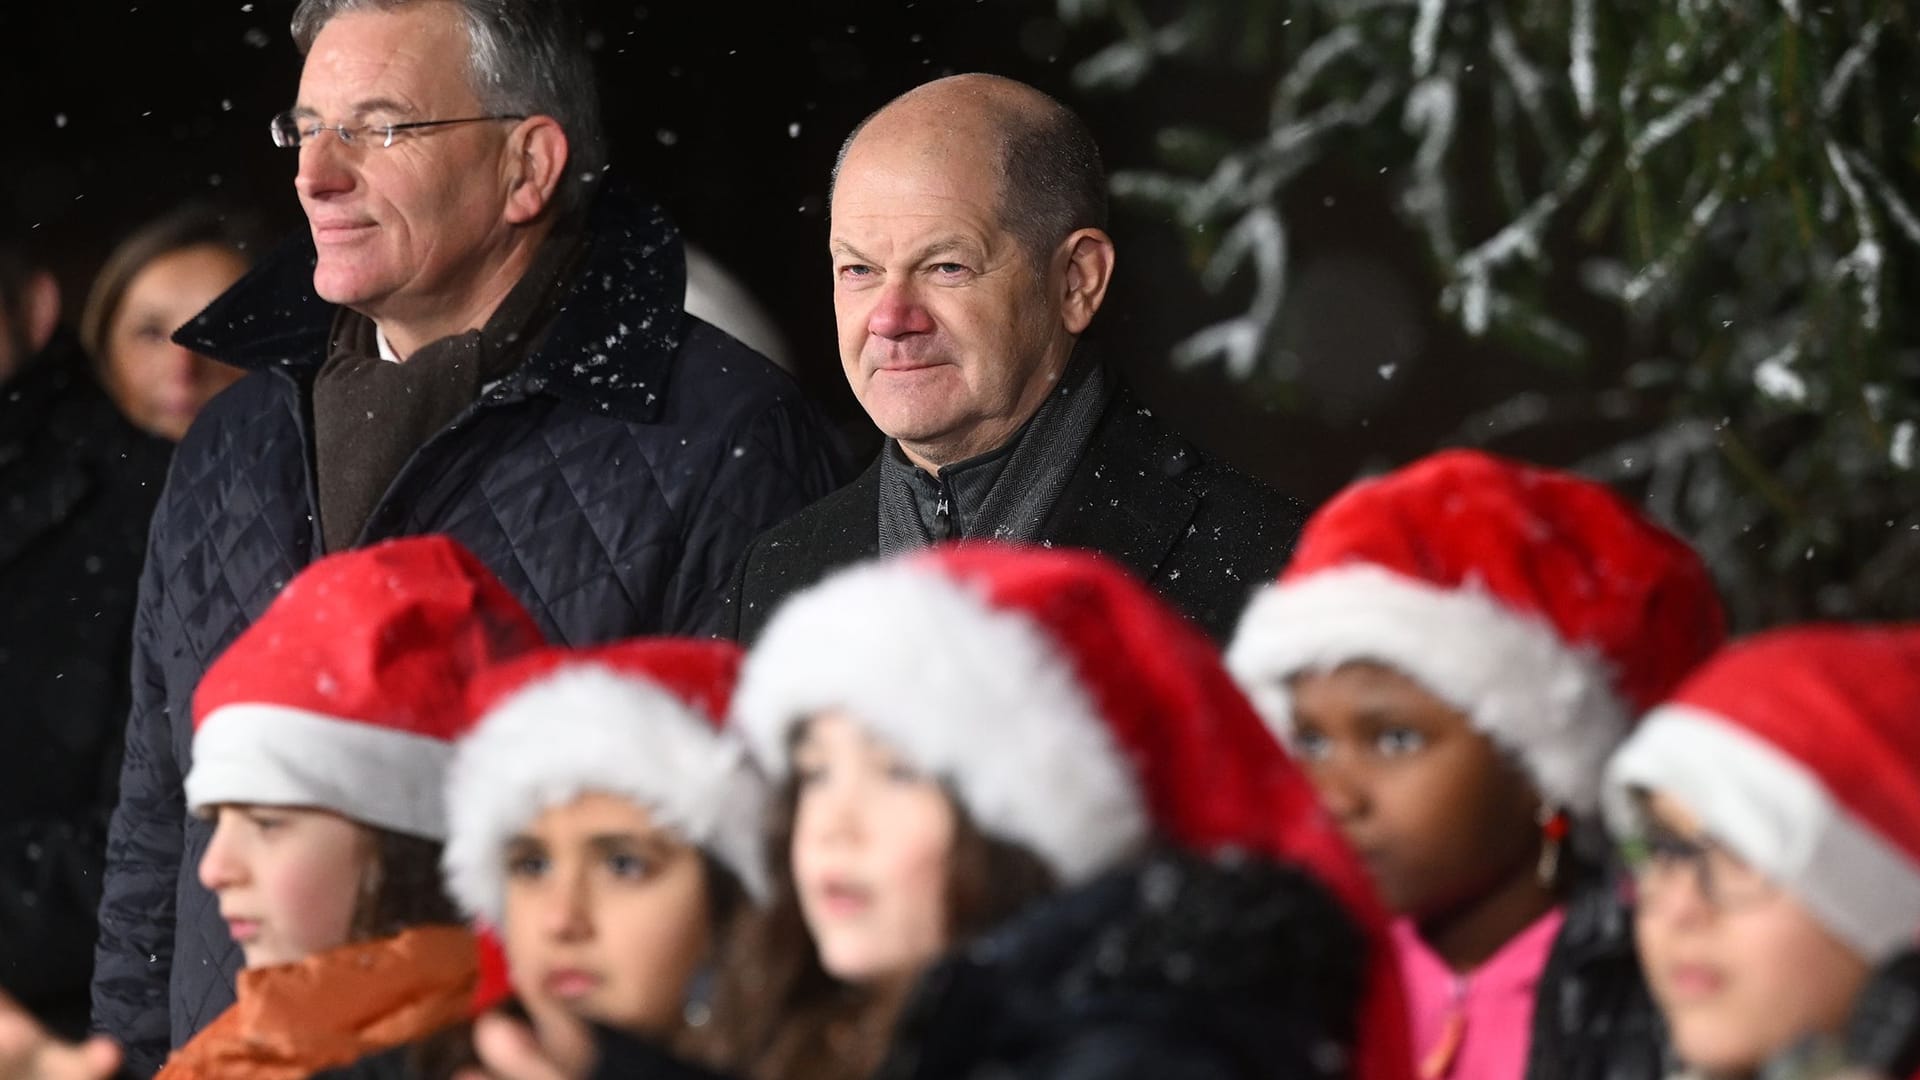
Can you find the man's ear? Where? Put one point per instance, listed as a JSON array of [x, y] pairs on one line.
[[39, 309], [536, 162], [1089, 256]]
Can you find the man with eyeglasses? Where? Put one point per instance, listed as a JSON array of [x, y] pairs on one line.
[[485, 337]]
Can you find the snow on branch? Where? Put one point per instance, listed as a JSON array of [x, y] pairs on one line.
[[1431, 112], [1261, 238], [1897, 208], [1848, 68], [1426, 36], [1652, 278], [1580, 67], [1865, 261], [1673, 122], [1519, 238]]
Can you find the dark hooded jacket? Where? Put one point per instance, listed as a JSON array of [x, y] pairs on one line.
[[1182, 968], [611, 480], [1593, 1017], [77, 485]]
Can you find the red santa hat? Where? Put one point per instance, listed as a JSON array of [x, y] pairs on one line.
[[1069, 711], [1800, 750], [641, 720], [347, 693], [1536, 602]]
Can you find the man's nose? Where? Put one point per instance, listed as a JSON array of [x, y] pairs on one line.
[[899, 312], [324, 168]]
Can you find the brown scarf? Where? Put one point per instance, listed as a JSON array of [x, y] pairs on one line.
[[371, 415]]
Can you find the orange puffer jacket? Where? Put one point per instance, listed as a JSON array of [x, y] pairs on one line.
[[293, 1020]]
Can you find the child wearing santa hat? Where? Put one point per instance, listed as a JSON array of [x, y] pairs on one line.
[[1771, 811], [607, 823], [321, 737], [1029, 827], [1451, 654]]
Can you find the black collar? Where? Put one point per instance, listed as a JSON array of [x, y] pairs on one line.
[[611, 348]]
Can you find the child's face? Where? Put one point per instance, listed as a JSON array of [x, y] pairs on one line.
[[607, 915], [1440, 816], [289, 880], [871, 844], [1741, 970]]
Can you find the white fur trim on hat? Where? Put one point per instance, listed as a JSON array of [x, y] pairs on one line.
[[277, 755], [1550, 704], [588, 728], [1773, 812], [977, 697]]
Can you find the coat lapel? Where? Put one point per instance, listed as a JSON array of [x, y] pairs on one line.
[[1121, 501], [835, 543]]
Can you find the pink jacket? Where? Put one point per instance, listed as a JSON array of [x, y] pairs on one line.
[[1475, 1026]]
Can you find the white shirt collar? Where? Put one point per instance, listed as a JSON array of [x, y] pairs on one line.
[[386, 350]]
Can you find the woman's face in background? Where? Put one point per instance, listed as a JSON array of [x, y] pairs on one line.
[[159, 386]]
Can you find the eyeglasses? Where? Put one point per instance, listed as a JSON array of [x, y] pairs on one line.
[[290, 132], [1660, 859]]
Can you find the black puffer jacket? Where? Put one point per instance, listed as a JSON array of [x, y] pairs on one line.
[[1179, 969], [612, 481], [77, 485], [1593, 1017]]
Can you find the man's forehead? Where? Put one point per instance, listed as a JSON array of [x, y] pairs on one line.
[[910, 193], [914, 169], [366, 61]]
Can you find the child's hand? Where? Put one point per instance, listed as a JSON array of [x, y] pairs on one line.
[[27, 1052], [509, 1051]]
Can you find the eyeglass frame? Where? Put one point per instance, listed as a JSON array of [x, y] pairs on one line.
[[350, 136], [1656, 845]]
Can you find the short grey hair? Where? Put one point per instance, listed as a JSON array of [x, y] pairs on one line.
[[524, 56]]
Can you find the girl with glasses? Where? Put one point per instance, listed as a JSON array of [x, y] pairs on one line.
[[1771, 814]]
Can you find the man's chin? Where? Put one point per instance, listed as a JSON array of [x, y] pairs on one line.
[[342, 289], [919, 414], [915, 432]]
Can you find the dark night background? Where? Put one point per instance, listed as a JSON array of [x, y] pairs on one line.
[[730, 115]]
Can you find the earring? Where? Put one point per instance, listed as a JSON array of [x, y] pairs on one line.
[[1554, 826], [697, 1008]]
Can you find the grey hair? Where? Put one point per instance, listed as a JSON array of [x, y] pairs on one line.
[[524, 56], [1053, 182]]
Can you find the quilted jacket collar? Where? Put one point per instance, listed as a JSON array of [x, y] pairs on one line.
[[610, 349]]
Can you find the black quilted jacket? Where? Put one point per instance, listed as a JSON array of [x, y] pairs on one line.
[[612, 482]]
